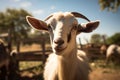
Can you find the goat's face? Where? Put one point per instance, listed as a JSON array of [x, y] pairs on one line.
[[63, 28]]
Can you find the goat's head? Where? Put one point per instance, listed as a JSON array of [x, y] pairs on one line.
[[63, 28]]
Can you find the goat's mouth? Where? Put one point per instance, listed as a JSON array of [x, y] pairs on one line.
[[59, 49]]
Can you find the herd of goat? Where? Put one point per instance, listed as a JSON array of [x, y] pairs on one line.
[[66, 62]]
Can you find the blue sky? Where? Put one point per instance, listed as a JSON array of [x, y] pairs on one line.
[[110, 22]]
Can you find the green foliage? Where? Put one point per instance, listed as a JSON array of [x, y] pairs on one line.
[[110, 5], [14, 22], [114, 39], [37, 37], [96, 39]]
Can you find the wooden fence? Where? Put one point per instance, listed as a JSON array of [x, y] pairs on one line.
[[40, 55], [16, 57]]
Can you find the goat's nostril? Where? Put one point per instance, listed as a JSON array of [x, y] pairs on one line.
[[59, 41]]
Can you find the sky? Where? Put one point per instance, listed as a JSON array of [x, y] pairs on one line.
[[109, 21]]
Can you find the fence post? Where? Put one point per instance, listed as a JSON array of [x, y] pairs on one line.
[[43, 49], [18, 46], [13, 67]]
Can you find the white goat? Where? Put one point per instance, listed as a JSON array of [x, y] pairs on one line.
[[113, 52], [66, 62]]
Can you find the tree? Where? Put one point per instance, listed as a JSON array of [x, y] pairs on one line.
[[114, 39], [110, 5], [104, 37], [13, 21], [96, 39]]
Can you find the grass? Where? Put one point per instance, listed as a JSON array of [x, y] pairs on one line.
[[101, 64], [31, 69], [29, 64]]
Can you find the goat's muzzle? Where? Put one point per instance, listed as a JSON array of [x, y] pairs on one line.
[[59, 41], [59, 45]]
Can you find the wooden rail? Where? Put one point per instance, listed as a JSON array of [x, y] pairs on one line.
[[31, 56]]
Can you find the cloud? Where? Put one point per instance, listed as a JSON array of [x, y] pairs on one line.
[[25, 4], [52, 7], [38, 12], [15, 0]]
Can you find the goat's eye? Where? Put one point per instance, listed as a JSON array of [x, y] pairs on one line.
[[69, 37], [49, 27], [75, 27]]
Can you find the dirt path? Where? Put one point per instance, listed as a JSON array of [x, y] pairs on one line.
[[105, 74]]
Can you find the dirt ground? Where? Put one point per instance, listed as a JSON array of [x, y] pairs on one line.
[[100, 71], [105, 74], [97, 73]]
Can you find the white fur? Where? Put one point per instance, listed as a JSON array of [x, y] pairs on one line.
[[66, 62], [112, 50], [70, 64]]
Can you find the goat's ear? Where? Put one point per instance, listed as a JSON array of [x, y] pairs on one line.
[[37, 24], [88, 27]]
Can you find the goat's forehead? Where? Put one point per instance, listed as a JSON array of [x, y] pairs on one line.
[[60, 15], [64, 17]]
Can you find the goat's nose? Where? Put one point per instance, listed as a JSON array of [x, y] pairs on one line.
[[59, 41]]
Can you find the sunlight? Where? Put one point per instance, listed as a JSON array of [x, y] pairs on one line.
[[32, 31]]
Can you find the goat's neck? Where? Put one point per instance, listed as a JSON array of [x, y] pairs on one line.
[[71, 51], [67, 63]]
